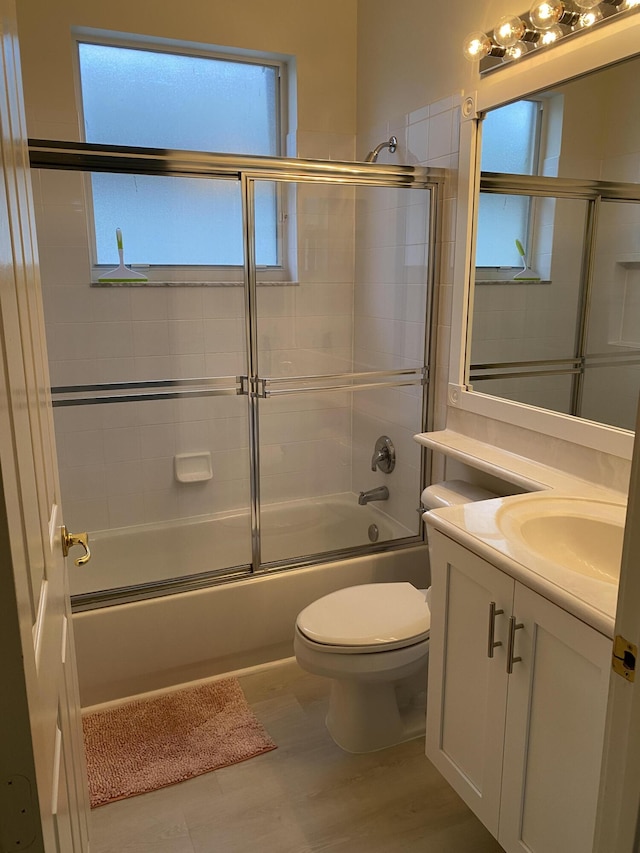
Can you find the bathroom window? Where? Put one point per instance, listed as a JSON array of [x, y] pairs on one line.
[[160, 98], [510, 144]]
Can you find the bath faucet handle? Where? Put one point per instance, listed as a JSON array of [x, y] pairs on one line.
[[384, 455]]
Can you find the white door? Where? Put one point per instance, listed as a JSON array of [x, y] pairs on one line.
[[43, 794], [617, 825]]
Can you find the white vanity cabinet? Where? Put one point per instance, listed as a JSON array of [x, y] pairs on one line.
[[523, 749]]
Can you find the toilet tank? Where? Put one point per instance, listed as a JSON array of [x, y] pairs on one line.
[[452, 492]]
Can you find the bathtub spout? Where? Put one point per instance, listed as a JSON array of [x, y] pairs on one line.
[[380, 493]]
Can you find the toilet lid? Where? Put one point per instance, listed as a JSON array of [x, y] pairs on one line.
[[367, 615]]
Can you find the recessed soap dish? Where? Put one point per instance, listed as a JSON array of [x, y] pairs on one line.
[[193, 467]]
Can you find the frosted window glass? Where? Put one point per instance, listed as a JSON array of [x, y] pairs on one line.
[[163, 100], [502, 219], [166, 220], [509, 139], [508, 146]]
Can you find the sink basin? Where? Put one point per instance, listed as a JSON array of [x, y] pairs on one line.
[[579, 534]]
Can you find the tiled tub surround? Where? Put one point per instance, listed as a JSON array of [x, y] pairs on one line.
[[116, 460], [347, 311], [427, 136]]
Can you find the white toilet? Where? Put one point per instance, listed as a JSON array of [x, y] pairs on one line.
[[373, 641]]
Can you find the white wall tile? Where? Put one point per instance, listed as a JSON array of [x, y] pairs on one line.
[[157, 440], [151, 338], [126, 510], [122, 444], [124, 478], [82, 448], [186, 337]]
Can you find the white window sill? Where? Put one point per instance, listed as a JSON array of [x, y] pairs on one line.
[[141, 283]]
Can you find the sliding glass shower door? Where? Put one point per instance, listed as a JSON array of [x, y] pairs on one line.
[[152, 431], [248, 401], [341, 362]]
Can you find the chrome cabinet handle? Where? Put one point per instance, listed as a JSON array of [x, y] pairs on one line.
[[513, 627], [71, 539], [492, 644]]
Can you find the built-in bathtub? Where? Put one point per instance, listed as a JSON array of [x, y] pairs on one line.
[[156, 552], [152, 643]]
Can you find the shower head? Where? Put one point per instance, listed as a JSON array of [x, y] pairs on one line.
[[392, 144]]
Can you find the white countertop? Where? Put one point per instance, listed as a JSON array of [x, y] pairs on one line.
[[475, 526]]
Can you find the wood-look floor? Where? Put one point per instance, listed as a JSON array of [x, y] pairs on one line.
[[307, 796]]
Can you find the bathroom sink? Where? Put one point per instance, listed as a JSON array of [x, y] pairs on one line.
[[579, 534]]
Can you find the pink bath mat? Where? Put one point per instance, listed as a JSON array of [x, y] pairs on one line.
[[151, 743]]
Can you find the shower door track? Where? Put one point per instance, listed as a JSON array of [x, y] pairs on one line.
[[89, 157]]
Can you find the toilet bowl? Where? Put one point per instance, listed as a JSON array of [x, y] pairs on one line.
[[372, 640]]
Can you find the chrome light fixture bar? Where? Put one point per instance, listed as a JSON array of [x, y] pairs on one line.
[[546, 23]]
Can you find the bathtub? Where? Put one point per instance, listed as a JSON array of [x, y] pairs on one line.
[[153, 552], [130, 648]]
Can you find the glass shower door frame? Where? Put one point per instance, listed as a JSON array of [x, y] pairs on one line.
[[84, 157], [264, 387]]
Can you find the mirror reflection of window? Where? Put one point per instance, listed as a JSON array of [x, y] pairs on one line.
[[510, 143]]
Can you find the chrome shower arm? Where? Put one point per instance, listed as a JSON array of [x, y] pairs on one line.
[[391, 144]]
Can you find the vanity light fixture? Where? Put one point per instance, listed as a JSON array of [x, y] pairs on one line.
[[510, 30], [547, 22], [551, 35], [589, 17], [548, 13], [478, 45], [515, 51]]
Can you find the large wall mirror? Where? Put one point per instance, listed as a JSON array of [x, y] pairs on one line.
[[555, 320]]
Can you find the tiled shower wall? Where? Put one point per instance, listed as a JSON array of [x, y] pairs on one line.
[[116, 460], [390, 306], [611, 394]]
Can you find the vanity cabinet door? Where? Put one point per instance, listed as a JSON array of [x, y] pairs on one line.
[[467, 692], [556, 710]]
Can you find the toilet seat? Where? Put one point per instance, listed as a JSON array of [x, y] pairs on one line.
[[366, 618]]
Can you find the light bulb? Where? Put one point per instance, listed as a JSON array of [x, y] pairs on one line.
[[588, 19], [586, 4], [509, 30], [515, 51], [630, 4], [552, 35], [546, 13], [477, 46]]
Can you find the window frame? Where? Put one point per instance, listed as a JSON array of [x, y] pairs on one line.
[[198, 274]]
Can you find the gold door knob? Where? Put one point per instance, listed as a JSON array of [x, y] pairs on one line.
[[71, 539]]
